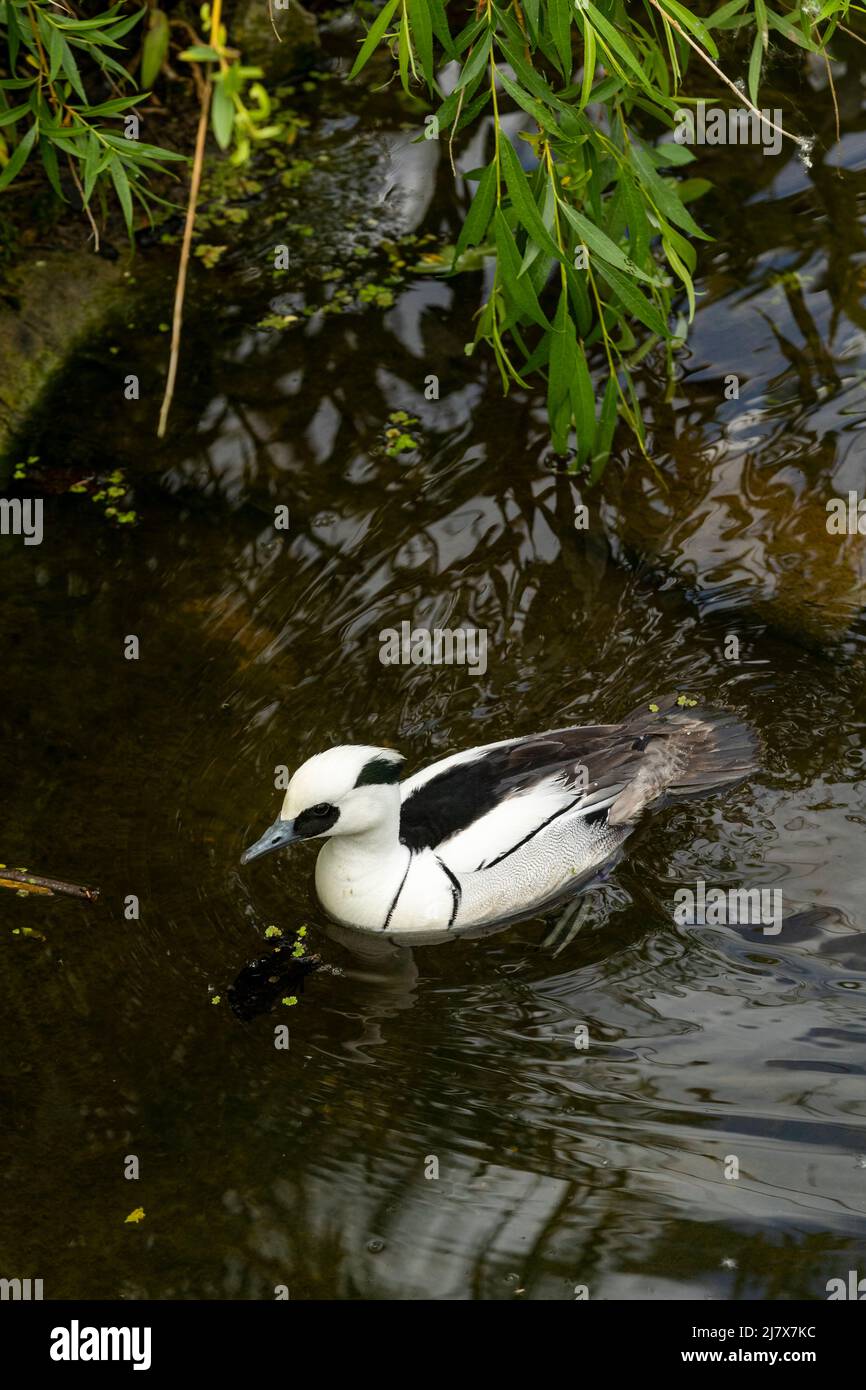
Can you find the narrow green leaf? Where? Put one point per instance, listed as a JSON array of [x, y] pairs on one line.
[[478, 218], [691, 22], [154, 48], [121, 187], [475, 63], [601, 245], [440, 27], [563, 362], [588, 62], [70, 69], [375, 33], [404, 50], [604, 431], [719, 16], [518, 287], [534, 108], [634, 302], [54, 44], [18, 157], [680, 270], [91, 163], [522, 199], [792, 33], [200, 53], [663, 195], [755, 64], [49, 161], [638, 227], [13, 35], [15, 113], [421, 23], [559, 14], [222, 115], [616, 43], [583, 406]]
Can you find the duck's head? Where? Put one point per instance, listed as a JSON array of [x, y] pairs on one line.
[[347, 791]]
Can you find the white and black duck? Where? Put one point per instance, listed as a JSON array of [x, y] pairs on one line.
[[499, 831]]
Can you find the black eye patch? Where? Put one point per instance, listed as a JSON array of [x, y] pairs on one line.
[[316, 819]]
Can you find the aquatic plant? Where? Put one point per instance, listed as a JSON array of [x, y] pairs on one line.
[[48, 108], [585, 211], [56, 66]]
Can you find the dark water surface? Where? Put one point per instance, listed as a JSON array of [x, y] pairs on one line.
[[557, 1167]]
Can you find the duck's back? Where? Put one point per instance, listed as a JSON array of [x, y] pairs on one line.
[[518, 822]]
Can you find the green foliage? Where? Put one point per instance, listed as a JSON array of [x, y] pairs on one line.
[[587, 216], [53, 63], [241, 106]]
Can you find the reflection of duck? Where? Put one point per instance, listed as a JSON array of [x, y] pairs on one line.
[[498, 831]]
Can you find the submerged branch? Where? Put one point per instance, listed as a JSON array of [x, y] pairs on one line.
[[35, 883]]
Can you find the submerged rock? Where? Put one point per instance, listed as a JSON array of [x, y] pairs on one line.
[[48, 305], [252, 31]]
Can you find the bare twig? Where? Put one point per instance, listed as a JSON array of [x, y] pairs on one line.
[[180, 289], [833, 94], [718, 71], [195, 184], [77, 181], [35, 883], [851, 34]]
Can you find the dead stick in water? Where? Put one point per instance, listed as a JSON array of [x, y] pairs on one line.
[[180, 291], [18, 878]]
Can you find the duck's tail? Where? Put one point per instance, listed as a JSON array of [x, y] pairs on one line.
[[689, 751]]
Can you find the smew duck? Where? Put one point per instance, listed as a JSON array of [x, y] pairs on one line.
[[498, 831]]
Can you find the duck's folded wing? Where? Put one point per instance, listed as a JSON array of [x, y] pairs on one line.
[[477, 807]]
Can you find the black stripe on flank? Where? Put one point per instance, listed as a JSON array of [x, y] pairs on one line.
[[456, 890], [397, 894], [544, 824]]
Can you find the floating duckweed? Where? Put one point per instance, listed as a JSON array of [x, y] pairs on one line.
[[216, 999], [135, 1216], [290, 999], [685, 702], [278, 321], [654, 709], [210, 255], [272, 932], [398, 440], [296, 172], [20, 470]]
